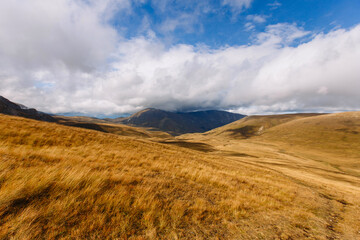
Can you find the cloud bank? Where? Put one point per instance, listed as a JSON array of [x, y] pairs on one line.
[[63, 56]]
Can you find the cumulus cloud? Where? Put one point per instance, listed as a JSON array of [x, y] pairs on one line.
[[61, 32], [252, 79], [71, 60]]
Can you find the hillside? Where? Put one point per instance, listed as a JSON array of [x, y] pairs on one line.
[[179, 123], [106, 127], [336, 133], [333, 139], [10, 108], [255, 125], [60, 182], [321, 152], [157, 121]]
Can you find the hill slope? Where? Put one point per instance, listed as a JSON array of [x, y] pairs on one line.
[[335, 137], [61, 182], [10, 108], [105, 126], [337, 133], [255, 125], [321, 152], [180, 123]]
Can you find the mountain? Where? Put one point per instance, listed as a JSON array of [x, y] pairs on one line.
[[178, 123], [173, 123], [10, 108]]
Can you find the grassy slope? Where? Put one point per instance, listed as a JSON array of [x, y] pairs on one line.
[[255, 125], [108, 127], [333, 138], [336, 133], [59, 182], [320, 152]]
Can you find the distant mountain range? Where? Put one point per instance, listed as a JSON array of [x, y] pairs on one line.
[[15, 109], [177, 123]]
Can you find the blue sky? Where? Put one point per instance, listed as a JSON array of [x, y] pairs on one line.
[[115, 57], [216, 24]]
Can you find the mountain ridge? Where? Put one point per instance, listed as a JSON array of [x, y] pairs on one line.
[[177, 123], [10, 108]]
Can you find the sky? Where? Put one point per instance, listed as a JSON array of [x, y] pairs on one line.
[[115, 57]]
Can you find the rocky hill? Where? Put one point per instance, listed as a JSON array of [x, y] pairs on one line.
[[10, 108]]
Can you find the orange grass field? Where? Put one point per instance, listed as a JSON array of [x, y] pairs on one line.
[[62, 182]]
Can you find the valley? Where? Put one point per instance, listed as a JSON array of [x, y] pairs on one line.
[[293, 176], [179, 120]]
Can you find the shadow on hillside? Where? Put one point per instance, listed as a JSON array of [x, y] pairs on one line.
[[202, 147], [91, 126], [238, 154], [246, 132]]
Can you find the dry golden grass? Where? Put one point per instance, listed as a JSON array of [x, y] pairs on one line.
[[59, 182], [105, 126], [333, 139], [337, 133], [255, 125], [320, 152]]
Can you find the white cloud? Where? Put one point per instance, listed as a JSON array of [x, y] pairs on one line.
[[238, 5], [274, 5], [63, 57], [49, 34], [249, 26], [323, 90], [253, 20], [256, 18], [281, 33], [183, 21]]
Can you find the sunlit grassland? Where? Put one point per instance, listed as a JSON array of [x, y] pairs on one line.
[[321, 152], [59, 182]]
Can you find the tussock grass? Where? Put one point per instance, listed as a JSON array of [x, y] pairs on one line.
[[59, 182], [321, 152]]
